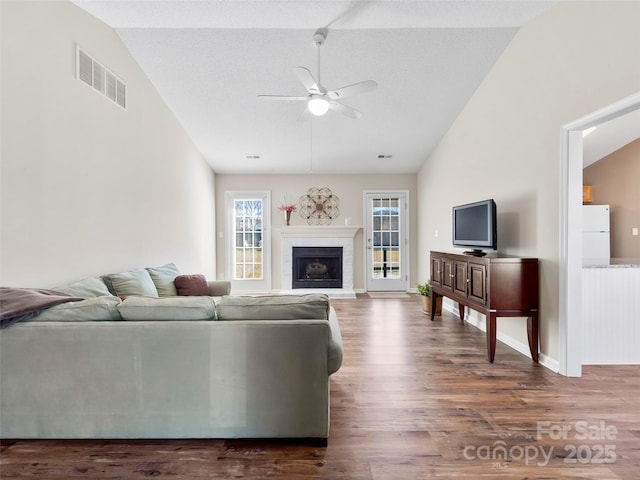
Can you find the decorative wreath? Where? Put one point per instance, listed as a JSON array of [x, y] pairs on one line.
[[319, 206]]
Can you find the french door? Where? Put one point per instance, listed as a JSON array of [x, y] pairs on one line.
[[248, 240], [386, 237]]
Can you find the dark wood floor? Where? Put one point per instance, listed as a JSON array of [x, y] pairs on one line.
[[414, 399]]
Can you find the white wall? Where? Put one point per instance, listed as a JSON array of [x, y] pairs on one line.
[[573, 60], [89, 188], [348, 188]]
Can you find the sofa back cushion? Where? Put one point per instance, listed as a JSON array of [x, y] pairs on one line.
[[133, 283], [87, 287], [311, 306], [168, 308], [163, 278]]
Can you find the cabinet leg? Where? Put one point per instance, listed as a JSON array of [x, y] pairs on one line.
[[433, 305], [491, 336], [532, 334], [461, 311]]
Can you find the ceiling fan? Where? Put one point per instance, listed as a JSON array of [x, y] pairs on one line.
[[320, 100]]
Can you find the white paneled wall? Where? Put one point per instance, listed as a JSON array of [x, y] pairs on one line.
[[611, 315]]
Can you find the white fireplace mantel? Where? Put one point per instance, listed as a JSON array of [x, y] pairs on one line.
[[319, 231], [319, 236]]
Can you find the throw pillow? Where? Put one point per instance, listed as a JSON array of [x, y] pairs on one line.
[[87, 287], [312, 306], [168, 308], [134, 282], [163, 278], [192, 285], [95, 308]]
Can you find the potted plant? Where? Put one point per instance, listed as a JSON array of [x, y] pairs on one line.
[[424, 289]]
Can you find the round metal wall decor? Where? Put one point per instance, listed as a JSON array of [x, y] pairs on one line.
[[319, 206]]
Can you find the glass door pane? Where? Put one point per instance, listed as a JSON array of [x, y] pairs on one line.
[[386, 241], [386, 238], [248, 239], [248, 227]]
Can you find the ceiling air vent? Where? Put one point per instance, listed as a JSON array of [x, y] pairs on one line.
[[103, 80]]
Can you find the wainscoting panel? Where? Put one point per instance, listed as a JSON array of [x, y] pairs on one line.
[[611, 315]]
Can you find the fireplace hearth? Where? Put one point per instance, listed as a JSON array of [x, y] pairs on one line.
[[316, 267]]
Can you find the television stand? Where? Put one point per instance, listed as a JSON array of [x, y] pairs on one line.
[[475, 253], [496, 286]]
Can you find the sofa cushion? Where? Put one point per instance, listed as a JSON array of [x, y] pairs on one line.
[[335, 344], [163, 278], [18, 304], [87, 287], [192, 285], [168, 308], [134, 282], [311, 306], [94, 308]]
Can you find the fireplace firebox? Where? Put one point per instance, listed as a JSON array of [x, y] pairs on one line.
[[317, 267]]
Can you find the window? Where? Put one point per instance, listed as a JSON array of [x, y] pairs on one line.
[[247, 252], [386, 238], [248, 240]]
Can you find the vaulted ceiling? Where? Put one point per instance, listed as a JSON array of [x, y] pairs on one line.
[[210, 59]]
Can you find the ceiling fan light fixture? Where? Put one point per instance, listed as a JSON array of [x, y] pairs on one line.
[[318, 105], [320, 100]]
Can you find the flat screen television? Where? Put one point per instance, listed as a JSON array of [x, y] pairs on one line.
[[474, 226]]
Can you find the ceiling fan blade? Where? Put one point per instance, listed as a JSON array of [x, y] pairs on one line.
[[305, 76], [305, 115], [355, 89], [282, 97], [343, 109]]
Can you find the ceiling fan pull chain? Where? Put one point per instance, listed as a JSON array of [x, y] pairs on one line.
[[319, 79]]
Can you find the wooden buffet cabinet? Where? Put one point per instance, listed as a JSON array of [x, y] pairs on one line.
[[495, 285]]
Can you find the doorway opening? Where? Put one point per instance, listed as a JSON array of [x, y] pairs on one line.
[[570, 294]]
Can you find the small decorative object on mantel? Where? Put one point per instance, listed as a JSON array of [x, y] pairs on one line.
[[287, 208], [319, 206]]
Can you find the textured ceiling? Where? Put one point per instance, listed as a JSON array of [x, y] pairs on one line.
[[210, 60], [610, 136]]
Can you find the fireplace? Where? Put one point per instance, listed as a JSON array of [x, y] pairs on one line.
[[316, 267], [295, 236]]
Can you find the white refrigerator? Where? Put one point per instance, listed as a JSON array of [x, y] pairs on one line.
[[595, 232]]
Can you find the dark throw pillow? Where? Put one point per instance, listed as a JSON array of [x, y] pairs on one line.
[[192, 285]]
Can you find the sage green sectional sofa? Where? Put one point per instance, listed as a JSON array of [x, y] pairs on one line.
[[169, 366]]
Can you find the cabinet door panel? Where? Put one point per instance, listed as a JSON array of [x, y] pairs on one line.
[[460, 281], [447, 275], [436, 273], [478, 283]]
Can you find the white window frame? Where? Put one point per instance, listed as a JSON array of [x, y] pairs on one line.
[[405, 264], [248, 285]]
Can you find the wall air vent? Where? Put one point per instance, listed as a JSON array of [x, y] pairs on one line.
[[103, 80]]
